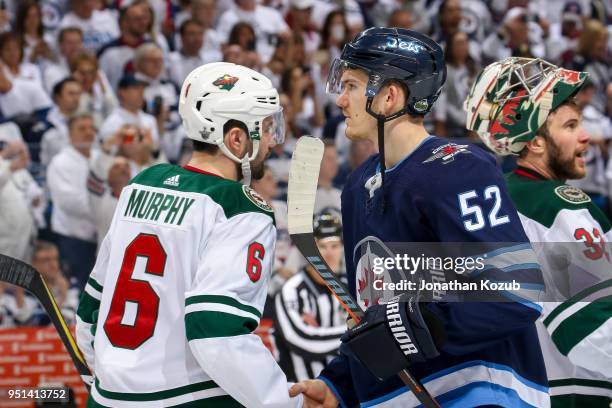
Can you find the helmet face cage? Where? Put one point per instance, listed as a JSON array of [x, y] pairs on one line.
[[521, 73]]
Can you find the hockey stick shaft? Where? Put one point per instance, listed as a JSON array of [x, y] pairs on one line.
[[21, 274], [303, 177]]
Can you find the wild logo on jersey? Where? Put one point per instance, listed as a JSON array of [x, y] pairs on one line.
[[256, 198]]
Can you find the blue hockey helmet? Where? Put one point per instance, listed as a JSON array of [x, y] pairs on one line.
[[407, 56]]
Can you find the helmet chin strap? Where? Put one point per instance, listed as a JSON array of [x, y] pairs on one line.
[[380, 122], [245, 162]]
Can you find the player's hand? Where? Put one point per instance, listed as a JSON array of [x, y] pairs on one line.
[[316, 394], [399, 327]]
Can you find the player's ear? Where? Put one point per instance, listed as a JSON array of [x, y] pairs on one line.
[[394, 99], [537, 145], [235, 140]]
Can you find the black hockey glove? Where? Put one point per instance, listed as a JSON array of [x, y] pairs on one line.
[[393, 335]]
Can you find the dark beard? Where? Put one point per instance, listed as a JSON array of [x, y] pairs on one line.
[[257, 171], [563, 169]]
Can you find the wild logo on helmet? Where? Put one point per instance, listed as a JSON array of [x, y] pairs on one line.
[[226, 82]]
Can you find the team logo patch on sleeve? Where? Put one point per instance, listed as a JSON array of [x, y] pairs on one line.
[[572, 194], [256, 198], [447, 152]]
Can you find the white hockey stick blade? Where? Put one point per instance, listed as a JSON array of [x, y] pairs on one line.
[[303, 179]]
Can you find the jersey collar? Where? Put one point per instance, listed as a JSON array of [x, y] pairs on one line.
[[196, 170], [528, 173]]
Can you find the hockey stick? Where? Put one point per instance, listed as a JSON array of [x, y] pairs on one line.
[[303, 178], [21, 274]]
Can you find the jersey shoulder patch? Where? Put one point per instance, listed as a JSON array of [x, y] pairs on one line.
[[572, 195], [256, 198], [236, 198], [542, 200]]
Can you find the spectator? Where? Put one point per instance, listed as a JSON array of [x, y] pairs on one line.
[[161, 98], [66, 97], [328, 197], [65, 292], [190, 55], [115, 57], [11, 54], [107, 178], [242, 34], [449, 20], [71, 219], [141, 139], [17, 227], [299, 21], [592, 56], [461, 70], [563, 39], [358, 152], [297, 82], [97, 96], [99, 27], [20, 97], [334, 33], [267, 22], [29, 27], [205, 12], [401, 18], [15, 307], [517, 37], [70, 43], [309, 320]]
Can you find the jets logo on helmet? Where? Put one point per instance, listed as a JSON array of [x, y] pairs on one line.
[[511, 100], [226, 82]]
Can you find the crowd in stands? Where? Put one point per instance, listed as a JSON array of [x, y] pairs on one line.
[[89, 93]]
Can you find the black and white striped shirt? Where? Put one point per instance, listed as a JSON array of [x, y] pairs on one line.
[[307, 328]]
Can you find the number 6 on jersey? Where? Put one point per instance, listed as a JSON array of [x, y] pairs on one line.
[[120, 327]]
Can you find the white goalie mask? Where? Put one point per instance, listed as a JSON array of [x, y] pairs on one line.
[[217, 92]]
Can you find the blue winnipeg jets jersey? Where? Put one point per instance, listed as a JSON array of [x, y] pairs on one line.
[[444, 192]]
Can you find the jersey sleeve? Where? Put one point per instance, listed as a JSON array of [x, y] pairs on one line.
[[475, 207], [224, 305], [581, 326], [89, 305]]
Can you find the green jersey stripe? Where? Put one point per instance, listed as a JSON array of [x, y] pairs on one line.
[[222, 401], [579, 325], [87, 306], [577, 400], [575, 299], [94, 284], [225, 300], [581, 381], [207, 324], [157, 395]]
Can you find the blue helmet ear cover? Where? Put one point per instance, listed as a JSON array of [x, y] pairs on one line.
[[406, 56]]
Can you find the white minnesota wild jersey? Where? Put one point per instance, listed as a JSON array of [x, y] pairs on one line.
[[576, 258], [177, 290]]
